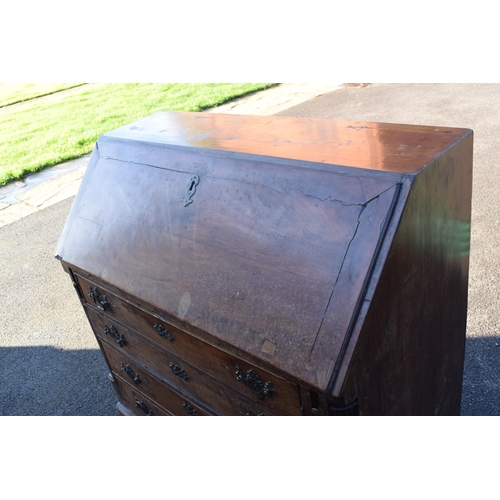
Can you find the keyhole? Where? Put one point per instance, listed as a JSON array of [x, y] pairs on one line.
[[191, 189]]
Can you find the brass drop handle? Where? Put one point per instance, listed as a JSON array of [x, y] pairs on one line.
[[100, 300], [189, 408], [251, 379], [163, 332], [179, 372], [144, 408], [134, 376], [111, 331]]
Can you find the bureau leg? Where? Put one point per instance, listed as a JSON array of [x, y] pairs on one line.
[[124, 411]]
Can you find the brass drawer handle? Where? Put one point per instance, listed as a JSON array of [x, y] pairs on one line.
[[134, 376], [163, 332], [251, 379], [100, 300], [189, 409], [144, 408], [120, 339], [179, 372]]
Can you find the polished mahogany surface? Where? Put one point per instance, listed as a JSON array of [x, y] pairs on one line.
[[288, 247], [331, 257], [375, 146]]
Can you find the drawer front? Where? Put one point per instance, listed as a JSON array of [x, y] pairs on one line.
[[137, 356], [258, 384], [138, 376], [140, 404], [135, 401]]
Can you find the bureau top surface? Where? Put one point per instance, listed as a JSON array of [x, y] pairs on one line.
[[376, 146]]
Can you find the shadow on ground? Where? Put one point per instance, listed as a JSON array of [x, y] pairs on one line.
[[49, 381], [481, 388]]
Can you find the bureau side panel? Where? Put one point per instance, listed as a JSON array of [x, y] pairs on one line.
[[410, 354]]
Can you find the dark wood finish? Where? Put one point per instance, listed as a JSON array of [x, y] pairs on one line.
[[124, 317], [297, 266], [419, 336], [149, 368]]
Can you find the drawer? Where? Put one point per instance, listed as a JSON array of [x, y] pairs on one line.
[[271, 391], [140, 404], [138, 376], [135, 401], [138, 356]]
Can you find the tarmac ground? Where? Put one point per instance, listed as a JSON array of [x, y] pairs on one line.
[[50, 363]]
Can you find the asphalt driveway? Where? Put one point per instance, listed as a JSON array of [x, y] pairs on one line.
[[474, 106]]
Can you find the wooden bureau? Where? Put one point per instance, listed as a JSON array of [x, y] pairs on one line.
[[242, 265]]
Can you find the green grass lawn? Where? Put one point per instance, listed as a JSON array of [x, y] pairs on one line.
[[41, 133]]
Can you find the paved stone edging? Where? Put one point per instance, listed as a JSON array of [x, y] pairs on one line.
[[271, 101], [41, 190]]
